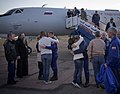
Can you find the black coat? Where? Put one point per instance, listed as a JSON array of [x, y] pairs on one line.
[[10, 50], [21, 48], [95, 18], [108, 25]]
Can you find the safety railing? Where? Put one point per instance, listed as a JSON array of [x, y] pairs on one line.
[[76, 21], [71, 22]]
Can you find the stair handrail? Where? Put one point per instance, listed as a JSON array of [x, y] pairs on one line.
[[88, 25]]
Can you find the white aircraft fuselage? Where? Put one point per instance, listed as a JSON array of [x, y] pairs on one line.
[[32, 21]]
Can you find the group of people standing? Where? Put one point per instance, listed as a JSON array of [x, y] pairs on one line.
[[99, 51], [96, 20], [95, 17], [76, 12], [16, 50], [72, 13], [82, 13], [47, 56]]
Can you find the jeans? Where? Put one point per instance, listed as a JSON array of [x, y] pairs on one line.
[[78, 71], [54, 65], [97, 61], [11, 71], [46, 60]]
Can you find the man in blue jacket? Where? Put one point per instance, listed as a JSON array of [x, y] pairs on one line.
[[114, 54]]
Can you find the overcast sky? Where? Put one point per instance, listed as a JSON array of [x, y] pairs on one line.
[[5, 5]]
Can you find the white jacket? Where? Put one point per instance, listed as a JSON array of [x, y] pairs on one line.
[[77, 56], [46, 41]]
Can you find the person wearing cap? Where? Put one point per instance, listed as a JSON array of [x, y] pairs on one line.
[[111, 23], [96, 52], [113, 60]]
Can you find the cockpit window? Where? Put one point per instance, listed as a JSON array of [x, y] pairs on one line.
[[17, 11], [10, 12], [13, 11], [22, 10]]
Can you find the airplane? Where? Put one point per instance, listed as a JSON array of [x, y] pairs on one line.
[[33, 20]]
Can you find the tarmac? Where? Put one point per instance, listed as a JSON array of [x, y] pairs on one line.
[[30, 84]]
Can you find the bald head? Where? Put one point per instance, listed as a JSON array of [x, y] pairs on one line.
[[112, 32], [104, 35]]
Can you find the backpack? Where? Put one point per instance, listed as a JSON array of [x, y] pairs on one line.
[[82, 48]]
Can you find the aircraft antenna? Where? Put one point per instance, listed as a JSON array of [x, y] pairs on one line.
[[44, 5]]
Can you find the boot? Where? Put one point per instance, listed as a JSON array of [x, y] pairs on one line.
[[53, 78]]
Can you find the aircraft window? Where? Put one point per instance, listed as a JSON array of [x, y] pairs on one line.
[[10, 12], [17, 11], [22, 10]]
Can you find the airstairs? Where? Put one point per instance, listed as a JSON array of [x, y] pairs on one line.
[[85, 28]]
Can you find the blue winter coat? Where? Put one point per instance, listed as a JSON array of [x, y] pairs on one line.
[[113, 59]]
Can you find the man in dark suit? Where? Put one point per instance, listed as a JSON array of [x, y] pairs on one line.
[[110, 24]]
